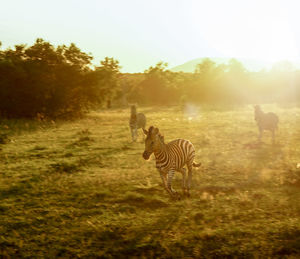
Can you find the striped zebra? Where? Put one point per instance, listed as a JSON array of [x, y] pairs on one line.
[[265, 121], [136, 121], [170, 157]]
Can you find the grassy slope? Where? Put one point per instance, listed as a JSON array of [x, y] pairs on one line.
[[82, 189]]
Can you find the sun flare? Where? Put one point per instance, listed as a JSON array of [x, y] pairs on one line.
[[264, 33]]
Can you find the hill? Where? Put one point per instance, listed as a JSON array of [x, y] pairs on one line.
[[250, 64]]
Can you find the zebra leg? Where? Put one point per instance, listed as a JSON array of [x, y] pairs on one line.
[[260, 134], [143, 138], [166, 183], [163, 177], [273, 136], [172, 192], [134, 134], [183, 171]]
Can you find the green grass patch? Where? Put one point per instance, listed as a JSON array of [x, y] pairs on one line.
[[81, 189]]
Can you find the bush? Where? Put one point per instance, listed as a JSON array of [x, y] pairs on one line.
[[42, 79]]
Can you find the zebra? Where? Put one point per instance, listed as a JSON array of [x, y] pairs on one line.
[[265, 121], [170, 157], [136, 121]]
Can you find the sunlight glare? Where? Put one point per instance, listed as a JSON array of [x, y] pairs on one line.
[[262, 33]]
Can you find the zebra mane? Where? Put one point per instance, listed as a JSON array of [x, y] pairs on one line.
[[133, 109], [161, 137], [150, 129], [257, 107]]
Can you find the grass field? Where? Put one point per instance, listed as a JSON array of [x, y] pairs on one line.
[[82, 188]]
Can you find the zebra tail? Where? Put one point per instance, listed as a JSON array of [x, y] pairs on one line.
[[196, 165]]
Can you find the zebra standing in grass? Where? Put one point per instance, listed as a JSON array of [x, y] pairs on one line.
[[265, 121], [137, 121], [170, 157]]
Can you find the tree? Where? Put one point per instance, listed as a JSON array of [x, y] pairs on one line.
[[108, 76], [159, 85], [236, 83], [207, 81], [42, 79]]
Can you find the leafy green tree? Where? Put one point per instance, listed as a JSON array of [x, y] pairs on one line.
[[159, 85], [236, 83], [42, 79], [208, 77], [108, 76]]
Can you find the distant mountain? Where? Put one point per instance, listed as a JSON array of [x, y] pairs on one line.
[[249, 64]]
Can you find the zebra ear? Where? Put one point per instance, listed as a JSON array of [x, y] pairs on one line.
[[155, 131], [145, 131], [162, 138]]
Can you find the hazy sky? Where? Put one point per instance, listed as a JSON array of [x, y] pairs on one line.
[[140, 33]]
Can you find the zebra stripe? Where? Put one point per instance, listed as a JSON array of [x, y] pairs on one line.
[[136, 121], [171, 157], [265, 121], [175, 154]]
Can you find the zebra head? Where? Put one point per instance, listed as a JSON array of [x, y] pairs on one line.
[[257, 112], [152, 141], [133, 109]]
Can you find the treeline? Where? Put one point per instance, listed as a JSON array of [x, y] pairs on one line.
[[45, 81], [217, 84], [57, 82]]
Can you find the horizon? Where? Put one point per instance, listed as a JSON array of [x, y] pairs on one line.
[[140, 35]]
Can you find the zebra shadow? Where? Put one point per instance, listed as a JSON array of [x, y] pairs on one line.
[[261, 145], [262, 161], [266, 153], [135, 245]]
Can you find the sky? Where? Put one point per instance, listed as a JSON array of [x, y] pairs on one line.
[[140, 33]]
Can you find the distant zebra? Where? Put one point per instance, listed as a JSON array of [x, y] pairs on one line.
[[170, 157], [136, 121], [265, 121]]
